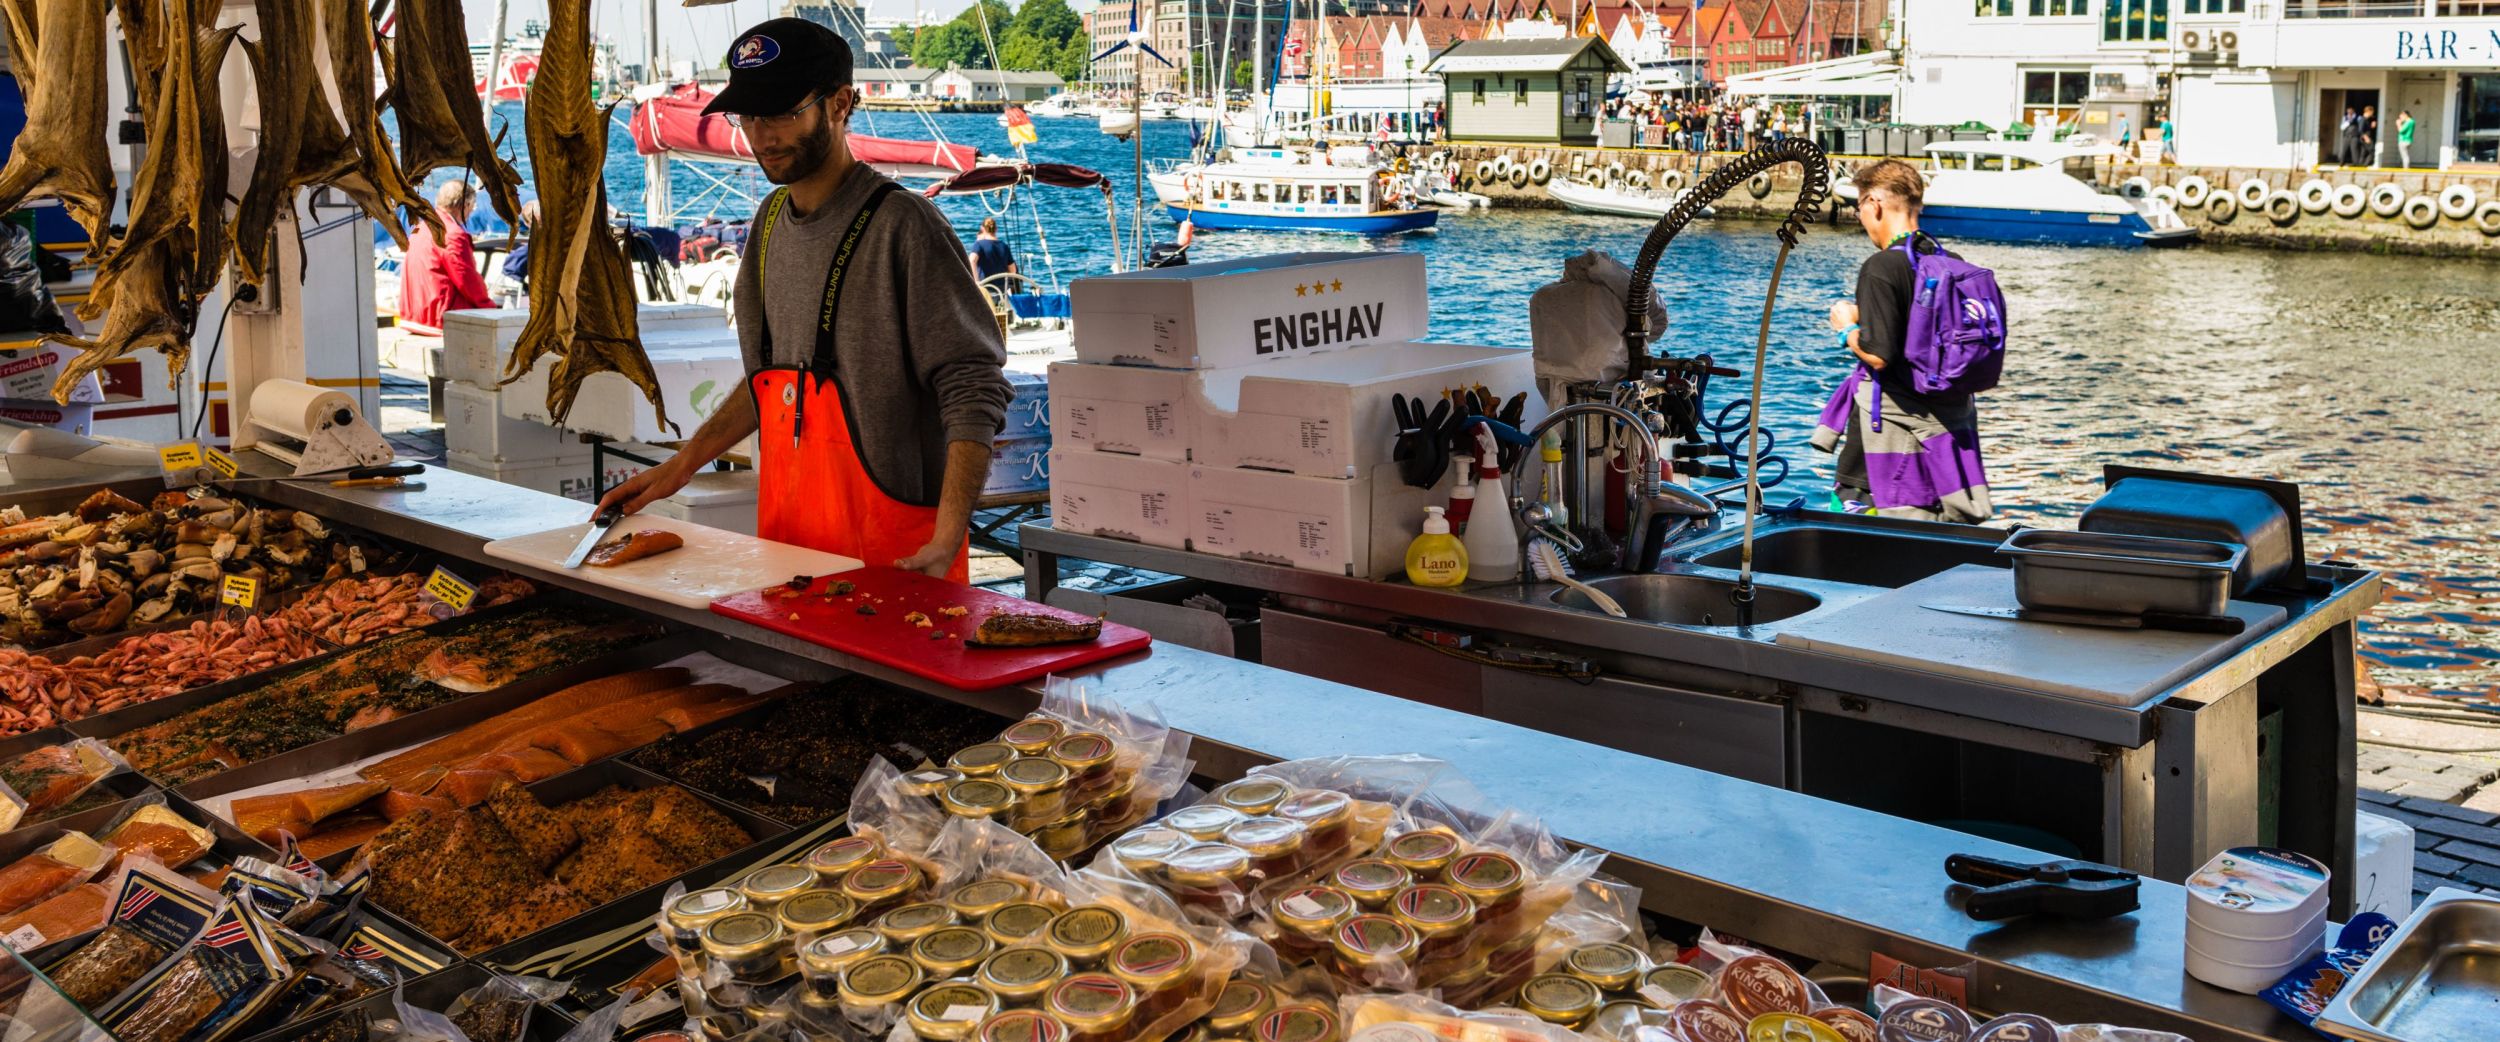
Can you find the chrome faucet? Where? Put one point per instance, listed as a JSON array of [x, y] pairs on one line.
[[1662, 512]]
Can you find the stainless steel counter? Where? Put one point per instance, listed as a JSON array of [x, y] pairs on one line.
[[1816, 878]]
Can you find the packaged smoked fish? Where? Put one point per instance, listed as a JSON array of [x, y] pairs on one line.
[[154, 830], [212, 988], [155, 913], [57, 775], [499, 1010], [287, 897], [64, 863]]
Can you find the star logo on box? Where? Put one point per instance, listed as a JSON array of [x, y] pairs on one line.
[[754, 51]]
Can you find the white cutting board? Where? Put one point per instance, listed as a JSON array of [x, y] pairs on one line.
[[713, 563], [2093, 663]]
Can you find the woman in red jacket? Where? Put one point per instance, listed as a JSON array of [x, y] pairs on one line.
[[439, 277]]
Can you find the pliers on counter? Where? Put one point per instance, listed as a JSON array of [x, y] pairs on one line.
[[1990, 889]]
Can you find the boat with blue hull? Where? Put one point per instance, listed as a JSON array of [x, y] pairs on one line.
[[1340, 189], [1381, 223], [2039, 192]]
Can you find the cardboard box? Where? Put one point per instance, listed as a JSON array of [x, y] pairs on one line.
[[1344, 526], [697, 371], [474, 424], [77, 417], [1121, 408], [1123, 497], [1028, 413], [476, 343], [27, 375], [1018, 465], [1329, 415], [1235, 312]]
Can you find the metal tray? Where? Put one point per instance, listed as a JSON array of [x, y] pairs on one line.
[[2437, 979], [2294, 575], [2121, 574]]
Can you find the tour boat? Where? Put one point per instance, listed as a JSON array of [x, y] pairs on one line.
[[2034, 191], [1293, 189]]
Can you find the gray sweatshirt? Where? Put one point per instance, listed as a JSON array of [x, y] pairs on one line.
[[915, 346]]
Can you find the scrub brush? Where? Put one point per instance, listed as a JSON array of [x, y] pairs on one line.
[[1550, 566]]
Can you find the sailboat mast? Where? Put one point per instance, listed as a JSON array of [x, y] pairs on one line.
[[656, 205], [494, 61]]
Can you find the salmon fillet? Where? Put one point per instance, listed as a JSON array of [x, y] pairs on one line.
[[400, 803], [270, 818], [469, 788], [527, 765], [316, 804], [492, 734], [580, 743], [346, 832], [634, 546], [75, 911]]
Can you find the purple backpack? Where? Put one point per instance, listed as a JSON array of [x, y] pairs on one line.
[[1956, 340]]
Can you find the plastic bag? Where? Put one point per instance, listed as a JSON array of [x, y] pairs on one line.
[[1414, 1018], [55, 776], [499, 1010], [64, 863], [220, 981], [155, 912], [26, 304], [156, 830], [1239, 854], [1149, 762], [1576, 323]]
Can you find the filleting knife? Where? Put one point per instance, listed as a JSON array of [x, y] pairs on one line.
[[2225, 624], [599, 526]]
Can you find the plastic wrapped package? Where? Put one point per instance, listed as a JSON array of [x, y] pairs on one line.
[[1910, 1016], [154, 830], [57, 775], [218, 983], [1415, 1018], [1594, 937], [154, 913], [38, 877], [1078, 770], [1229, 855], [500, 1009]]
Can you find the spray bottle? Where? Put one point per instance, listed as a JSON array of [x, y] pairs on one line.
[[1492, 540], [1463, 494]]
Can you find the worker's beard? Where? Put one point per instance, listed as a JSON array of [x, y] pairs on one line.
[[805, 157]]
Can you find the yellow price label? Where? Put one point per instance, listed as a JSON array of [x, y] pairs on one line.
[[180, 456], [450, 589], [239, 591], [223, 464]]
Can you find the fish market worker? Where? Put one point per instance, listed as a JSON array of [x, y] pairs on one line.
[[874, 363]]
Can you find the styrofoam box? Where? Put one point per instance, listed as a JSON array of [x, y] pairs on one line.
[[697, 371], [1018, 465], [564, 476], [722, 499], [1343, 526], [474, 424], [1329, 415], [1235, 312], [1129, 409], [1123, 497], [476, 342], [1028, 412]]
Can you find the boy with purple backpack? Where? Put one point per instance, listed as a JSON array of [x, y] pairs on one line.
[[1928, 332]]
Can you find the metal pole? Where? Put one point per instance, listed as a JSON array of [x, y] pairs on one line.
[[656, 206], [494, 61]]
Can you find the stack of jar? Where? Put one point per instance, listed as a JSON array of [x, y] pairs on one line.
[[1248, 1010], [1065, 788], [1612, 990], [1253, 835]]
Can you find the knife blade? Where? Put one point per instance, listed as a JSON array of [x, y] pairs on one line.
[[2151, 620], [599, 526]]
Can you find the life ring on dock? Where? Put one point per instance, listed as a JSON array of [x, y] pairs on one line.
[[2316, 195], [2283, 208], [1758, 185], [1672, 180], [2253, 194], [2386, 200], [1484, 170], [1501, 166], [2136, 187], [1437, 161], [2456, 202], [2192, 191], [2487, 218], [2350, 201], [1540, 171], [1637, 178], [1614, 171], [2221, 207], [2421, 211], [2165, 195], [1519, 177]]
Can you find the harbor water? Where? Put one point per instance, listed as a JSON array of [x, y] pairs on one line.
[[2372, 381]]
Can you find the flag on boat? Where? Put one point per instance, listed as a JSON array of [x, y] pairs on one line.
[[1020, 127]]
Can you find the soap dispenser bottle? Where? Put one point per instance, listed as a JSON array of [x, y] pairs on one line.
[[1436, 558]]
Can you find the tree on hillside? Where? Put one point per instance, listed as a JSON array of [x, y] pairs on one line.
[[1045, 32], [959, 42]]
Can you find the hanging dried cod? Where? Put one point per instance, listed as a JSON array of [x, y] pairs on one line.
[[57, 50], [582, 305], [372, 177], [434, 92]]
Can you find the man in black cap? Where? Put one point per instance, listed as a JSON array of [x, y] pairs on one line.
[[874, 362]]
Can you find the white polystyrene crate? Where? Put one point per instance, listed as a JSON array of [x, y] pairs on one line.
[[1123, 497], [722, 499], [1316, 524], [697, 370], [1329, 415], [474, 424], [567, 476], [1128, 409], [1255, 309], [476, 343]]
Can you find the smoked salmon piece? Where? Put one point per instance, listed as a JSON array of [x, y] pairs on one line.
[[316, 804], [493, 733], [399, 803], [634, 546], [345, 833], [470, 788], [75, 911], [580, 743], [527, 765], [687, 718], [265, 818], [158, 833], [42, 875]]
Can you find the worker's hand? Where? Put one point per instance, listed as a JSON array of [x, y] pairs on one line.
[[935, 558], [1844, 315], [646, 488]]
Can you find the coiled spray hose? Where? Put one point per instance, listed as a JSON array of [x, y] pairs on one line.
[[1812, 191]]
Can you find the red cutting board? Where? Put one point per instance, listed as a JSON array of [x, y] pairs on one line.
[[887, 639]]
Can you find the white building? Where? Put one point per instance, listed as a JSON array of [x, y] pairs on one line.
[[2247, 82]]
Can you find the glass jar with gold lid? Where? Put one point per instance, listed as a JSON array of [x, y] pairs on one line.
[[1560, 999], [1066, 837], [951, 951], [690, 913], [1205, 822], [877, 984], [950, 1011], [985, 799], [1040, 786], [767, 887], [1298, 1022], [981, 761], [1375, 949], [1307, 920], [1022, 1025], [1097, 1007], [1085, 935], [1371, 881], [1610, 966], [751, 946], [928, 781], [1439, 916], [1021, 974], [1493, 880], [974, 901], [1274, 844], [913, 922], [1090, 759], [1208, 875], [1424, 852], [1032, 735], [882, 884], [1239, 1005], [1253, 796], [822, 910], [824, 958], [1018, 922], [1327, 813], [1159, 967], [1146, 850], [838, 858]]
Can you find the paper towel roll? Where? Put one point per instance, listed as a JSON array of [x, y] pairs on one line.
[[296, 409]]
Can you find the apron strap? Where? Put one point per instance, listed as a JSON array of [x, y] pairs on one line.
[[820, 361]]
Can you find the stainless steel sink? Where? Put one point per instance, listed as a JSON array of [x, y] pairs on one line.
[[1689, 600], [2437, 978], [1863, 557]]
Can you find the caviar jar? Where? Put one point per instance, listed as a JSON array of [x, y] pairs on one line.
[[949, 1012], [766, 888], [1424, 852], [880, 885], [981, 761], [839, 858], [1374, 949], [751, 946], [1085, 935], [1237, 1007], [1032, 735], [1371, 881], [1674, 983], [1328, 814], [1159, 967], [1145, 851], [1253, 796], [973, 902], [1493, 880], [1097, 1007], [929, 781], [1560, 999], [1612, 967], [1209, 875], [1065, 838], [877, 984], [1021, 975], [1018, 922], [1205, 822], [1089, 758], [951, 951], [824, 958], [690, 913], [1298, 1022], [910, 923], [1274, 844], [1040, 786], [1756, 985], [1307, 920], [1439, 916], [817, 911], [984, 799], [1021, 1025]]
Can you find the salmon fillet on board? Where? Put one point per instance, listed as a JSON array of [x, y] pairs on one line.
[[490, 734]]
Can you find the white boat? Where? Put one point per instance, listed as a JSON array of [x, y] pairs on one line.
[[2034, 191], [1119, 122], [1061, 106], [1435, 187], [1293, 189], [1614, 199]]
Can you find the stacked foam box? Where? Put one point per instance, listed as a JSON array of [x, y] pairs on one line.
[[1241, 408], [1020, 457]]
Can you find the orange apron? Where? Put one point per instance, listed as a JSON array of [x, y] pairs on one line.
[[815, 490]]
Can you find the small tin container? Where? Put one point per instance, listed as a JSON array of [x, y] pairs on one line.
[[1424, 852], [1040, 785], [1086, 935], [1254, 796], [973, 902], [1619, 1020], [1674, 983], [690, 913], [880, 885], [1097, 1007], [1327, 813], [1206, 874], [949, 1012], [1205, 822], [1372, 881], [824, 958], [1021, 975], [1298, 1022], [1032, 735], [1612, 967], [1858, 1027], [2012, 1027], [752, 946], [1703, 1020], [909, 923], [1439, 916], [1018, 922], [1755, 985], [1560, 999], [929, 781], [1237, 1007], [1159, 967], [981, 761], [1493, 880], [1274, 844], [767, 887], [1923, 1020], [1373, 948], [1307, 919], [1145, 851], [985, 799], [878, 984], [1090, 759], [812, 912], [951, 951], [1021, 1025], [839, 858]]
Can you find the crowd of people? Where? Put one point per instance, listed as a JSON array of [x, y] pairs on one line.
[[1712, 122]]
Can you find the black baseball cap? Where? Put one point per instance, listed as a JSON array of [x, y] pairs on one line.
[[777, 64]]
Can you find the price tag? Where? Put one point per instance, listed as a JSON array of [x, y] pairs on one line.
[[1304, 907], [181, 463], [24, 939], [1657, 996], [239, 591], [966, 1012], [450, 590], [223, 464]]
